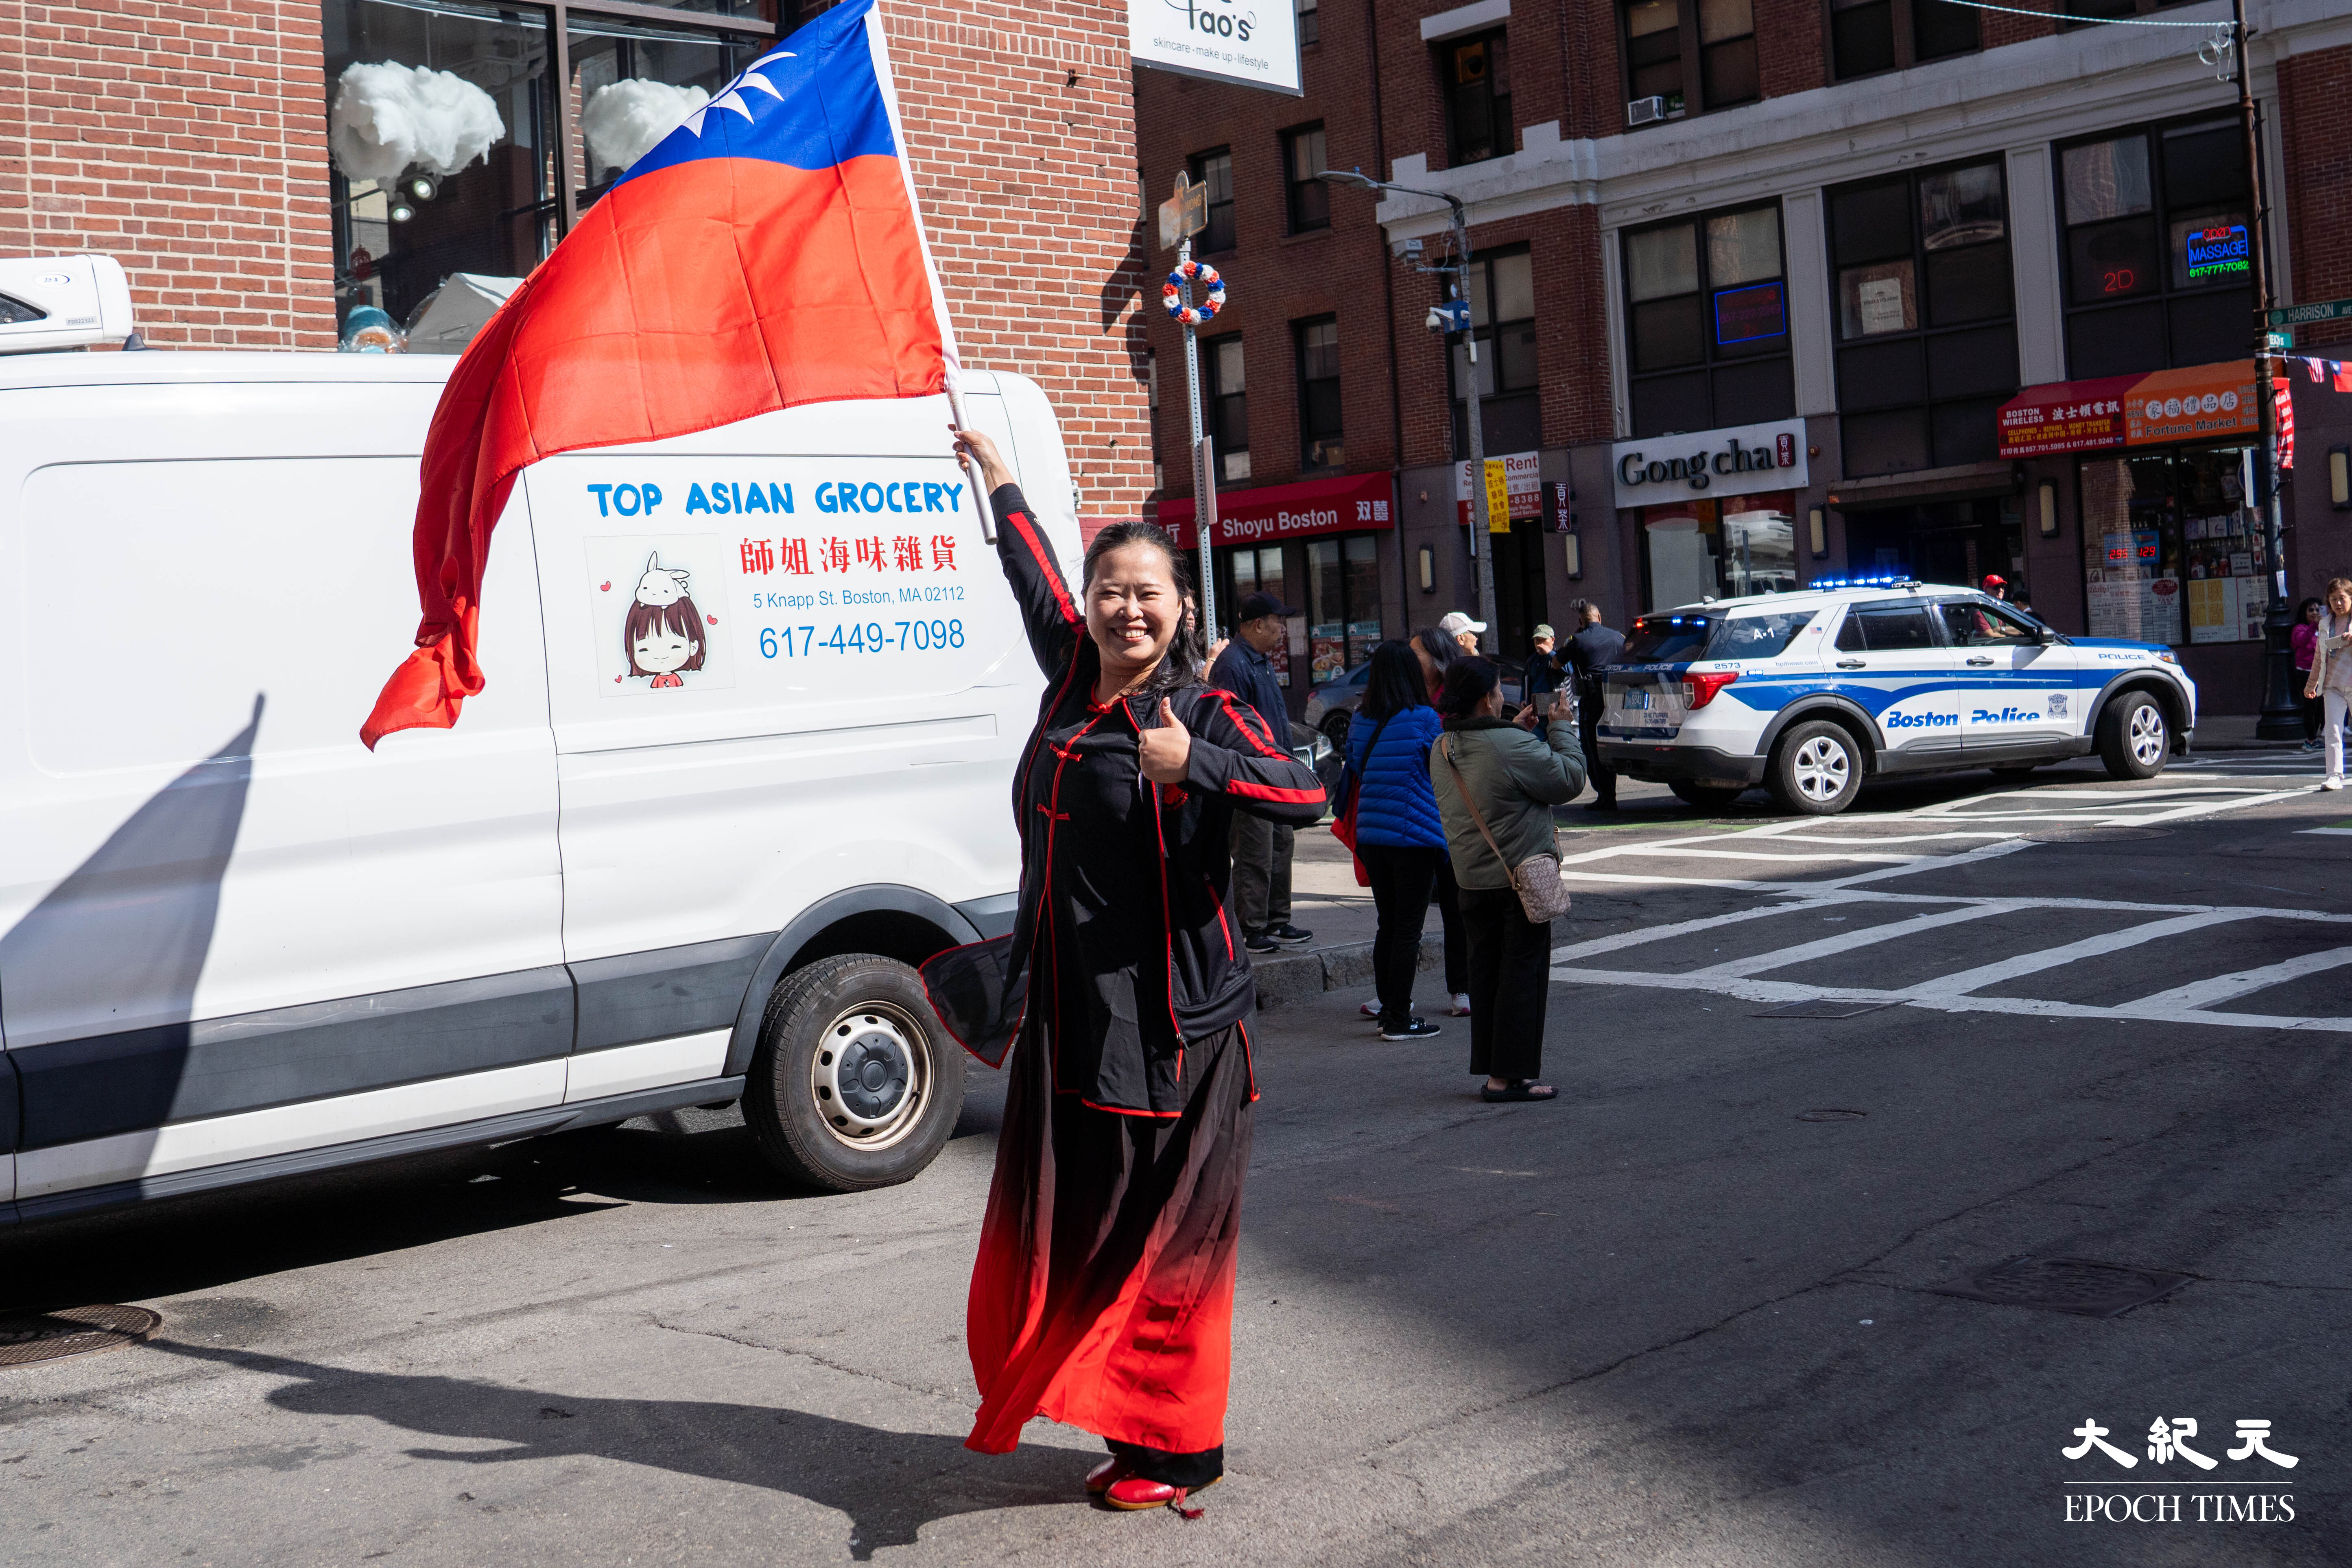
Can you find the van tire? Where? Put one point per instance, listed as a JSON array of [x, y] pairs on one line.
[[1707, 797], [1816, 770], [833, 1015], [2133, 737]]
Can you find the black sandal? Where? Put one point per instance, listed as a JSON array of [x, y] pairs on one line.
[[1518, 1088]]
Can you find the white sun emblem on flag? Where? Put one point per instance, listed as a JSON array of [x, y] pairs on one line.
[[733, 96]]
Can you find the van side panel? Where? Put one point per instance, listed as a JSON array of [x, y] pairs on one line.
[[213, 900]]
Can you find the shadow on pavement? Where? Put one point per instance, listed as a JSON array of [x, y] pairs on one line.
[[890, 1484]]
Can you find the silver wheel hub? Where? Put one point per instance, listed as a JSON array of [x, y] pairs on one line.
[[870, 1076], [2146, 736], [1821, 768]]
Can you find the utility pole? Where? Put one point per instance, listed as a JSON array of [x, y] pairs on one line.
[[1481, 536], [2280, 718]]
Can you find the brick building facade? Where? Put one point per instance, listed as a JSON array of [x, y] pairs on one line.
[[191, 142], [1868, 226]]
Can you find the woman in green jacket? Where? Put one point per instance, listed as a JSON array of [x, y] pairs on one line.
[[1514, 779]]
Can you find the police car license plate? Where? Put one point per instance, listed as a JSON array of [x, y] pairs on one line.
[[1636, 701]]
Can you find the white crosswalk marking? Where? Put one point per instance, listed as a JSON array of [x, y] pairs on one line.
[[1991, 825]]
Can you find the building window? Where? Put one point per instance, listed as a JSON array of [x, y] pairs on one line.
[[1662, 35], [1224, 392], [2158, 269], [1707, 315], [1870, 36], [1926, 324], [1310, 199], [1343, 603], [1320, 443], [1310, 23], [1243, 570], [1501, 289], [2172, 549], [1215, 170], [1477, 76]]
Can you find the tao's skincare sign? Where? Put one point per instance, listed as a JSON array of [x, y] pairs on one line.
[[1252, 42], [1741, 461]]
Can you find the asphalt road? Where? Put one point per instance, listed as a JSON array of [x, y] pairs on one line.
[[1687, 1315]]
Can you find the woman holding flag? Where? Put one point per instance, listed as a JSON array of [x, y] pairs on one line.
[[1103, 1293]]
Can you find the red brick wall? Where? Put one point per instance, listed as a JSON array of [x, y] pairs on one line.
[[2313, 91], [187, 140], [1022, 127], [1791, 46]]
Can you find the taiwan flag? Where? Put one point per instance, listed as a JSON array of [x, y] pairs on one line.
[[768, 252]]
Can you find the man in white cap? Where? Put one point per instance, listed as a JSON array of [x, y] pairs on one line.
[[1462, 630]]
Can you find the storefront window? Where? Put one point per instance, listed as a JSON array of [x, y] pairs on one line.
[[1723, 549], [1707, 315], [2173, 554], [1501, 289], [1256, 569], [1343, 603], [440, 136], [634, 81]]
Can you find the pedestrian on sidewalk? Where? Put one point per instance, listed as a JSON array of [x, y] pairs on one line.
[[1102, 1296], [1496, 785], [1436, 650], [2331, 675], [1545, 673], [1400, 837], [1591, 649], [1463, 631], [2305, 639], [1261, 849]]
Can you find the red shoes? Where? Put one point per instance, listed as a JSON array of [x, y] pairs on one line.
[[1107, 1474], [1121, 1488]]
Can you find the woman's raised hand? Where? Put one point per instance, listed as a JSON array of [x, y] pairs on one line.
[[980, 449], [1167, 751]]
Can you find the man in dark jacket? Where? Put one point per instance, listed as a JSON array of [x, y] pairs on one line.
[[1593, 646], [1261, 848]]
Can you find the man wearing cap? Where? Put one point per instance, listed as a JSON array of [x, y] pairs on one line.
[[1261, 849], [1998, 587], [1543, 674], [1462, 630]]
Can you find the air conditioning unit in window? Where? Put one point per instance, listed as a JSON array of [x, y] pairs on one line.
[[1645, 111]]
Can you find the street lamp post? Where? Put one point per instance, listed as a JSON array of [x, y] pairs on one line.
[[1482, 543]]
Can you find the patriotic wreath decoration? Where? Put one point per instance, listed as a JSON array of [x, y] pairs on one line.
[[1172, 294]]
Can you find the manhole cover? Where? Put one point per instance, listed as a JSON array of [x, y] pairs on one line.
[[1822, 1008], [72, 1331], [2079, 1285], [1830, 1115], [2094, 835]]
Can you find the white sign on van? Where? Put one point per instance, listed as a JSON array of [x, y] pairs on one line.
[[1737, 461], [1252, 42]]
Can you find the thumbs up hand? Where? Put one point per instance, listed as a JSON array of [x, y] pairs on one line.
[[1167, 751]]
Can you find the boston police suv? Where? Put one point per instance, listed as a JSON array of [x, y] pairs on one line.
[[1808, 693]]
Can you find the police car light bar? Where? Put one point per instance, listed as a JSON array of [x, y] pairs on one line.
[[1862, 583]]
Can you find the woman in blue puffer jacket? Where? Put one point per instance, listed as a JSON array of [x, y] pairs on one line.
[[1400, 837]]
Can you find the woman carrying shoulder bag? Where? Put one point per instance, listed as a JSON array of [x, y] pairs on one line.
[[1495, 784], [1400, 837]]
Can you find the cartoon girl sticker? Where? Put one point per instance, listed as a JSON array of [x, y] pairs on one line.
[[663, 635]]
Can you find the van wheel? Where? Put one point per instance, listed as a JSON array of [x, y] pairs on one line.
[[855, 1083], [1816, 770], [1707, 797], [2133, 737]]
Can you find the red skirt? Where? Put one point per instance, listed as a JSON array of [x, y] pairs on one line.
[[1103, 1296]]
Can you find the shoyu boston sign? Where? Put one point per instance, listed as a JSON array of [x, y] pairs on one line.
[[1737, 461], [1348, 504]]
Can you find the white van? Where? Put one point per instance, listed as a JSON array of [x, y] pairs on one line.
[[745, 757]]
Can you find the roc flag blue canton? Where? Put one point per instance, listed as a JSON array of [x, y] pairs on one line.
[[768, 252]]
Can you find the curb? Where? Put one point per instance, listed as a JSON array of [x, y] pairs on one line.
[[1298, 977]]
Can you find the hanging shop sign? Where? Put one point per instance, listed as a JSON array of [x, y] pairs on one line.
[[1522, 488], [2065, 416], [1252, 43], [1738, 460], [2201, 402], [1352, 503]]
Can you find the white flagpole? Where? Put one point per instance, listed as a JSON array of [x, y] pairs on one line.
[[878, 46]]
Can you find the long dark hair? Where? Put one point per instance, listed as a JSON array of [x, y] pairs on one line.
[[1395, 684], [1467, 682], [1187, 655], [1440, 647]]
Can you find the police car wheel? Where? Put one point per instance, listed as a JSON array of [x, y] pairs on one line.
[[1707, 797], [2133, 737], [1816, 769], [855, 1083]]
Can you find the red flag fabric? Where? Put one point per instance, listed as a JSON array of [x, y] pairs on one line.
[[767, 253]]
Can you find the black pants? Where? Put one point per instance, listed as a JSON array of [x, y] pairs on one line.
[[1402, 879], [1510, 981], [1449, 915], [1600, 775], [2310, 705]]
